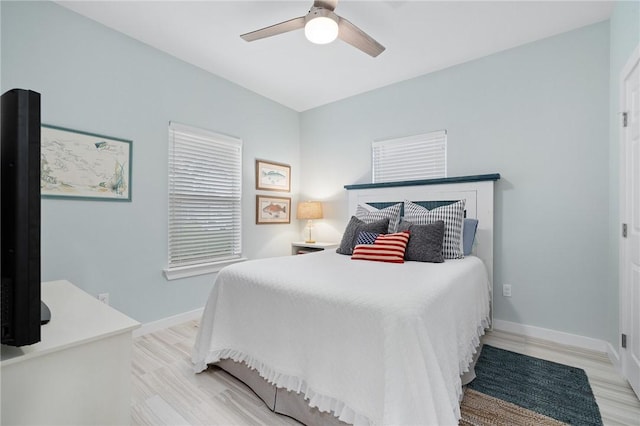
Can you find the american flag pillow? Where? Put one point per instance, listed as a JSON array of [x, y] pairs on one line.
[[367, 237], [385, 248]]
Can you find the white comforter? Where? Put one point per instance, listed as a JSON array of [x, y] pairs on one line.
[[376, 343]]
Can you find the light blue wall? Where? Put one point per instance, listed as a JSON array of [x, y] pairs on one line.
[[625, 37], [537, 114], [97, 80]]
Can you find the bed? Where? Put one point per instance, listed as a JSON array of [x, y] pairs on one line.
[[331, 340]]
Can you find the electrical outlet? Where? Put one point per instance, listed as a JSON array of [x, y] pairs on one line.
[[506, 290], [104, 298]]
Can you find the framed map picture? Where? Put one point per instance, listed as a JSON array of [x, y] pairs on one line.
[[75, 164], [272, 176]]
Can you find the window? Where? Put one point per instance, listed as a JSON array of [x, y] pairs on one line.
[[410, 158], [205, 184]]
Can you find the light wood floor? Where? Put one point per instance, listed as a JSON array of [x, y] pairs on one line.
[[167, 392]]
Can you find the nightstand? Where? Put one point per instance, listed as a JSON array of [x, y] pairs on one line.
[[300, 247]]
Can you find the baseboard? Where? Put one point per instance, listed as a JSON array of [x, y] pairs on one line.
[[614, 357], [562, 338], [554, 336], [161, 324]]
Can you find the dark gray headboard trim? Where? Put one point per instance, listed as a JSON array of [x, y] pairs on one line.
[[458, 179]]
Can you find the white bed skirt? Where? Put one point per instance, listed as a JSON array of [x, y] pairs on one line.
[[292, 404]]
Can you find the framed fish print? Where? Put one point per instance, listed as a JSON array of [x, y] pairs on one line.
[[82, 165], [272, 209], [272, 176]]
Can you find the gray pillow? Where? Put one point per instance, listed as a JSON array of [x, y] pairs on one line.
[[353, 229], [452, 215], [425, 241]]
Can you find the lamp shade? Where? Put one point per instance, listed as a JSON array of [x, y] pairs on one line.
[[309, 210], [321, 30]]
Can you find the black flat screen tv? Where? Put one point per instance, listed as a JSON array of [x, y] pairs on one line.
[[20, 218]]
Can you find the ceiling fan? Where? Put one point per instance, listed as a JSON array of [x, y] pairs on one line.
[[321, 26]]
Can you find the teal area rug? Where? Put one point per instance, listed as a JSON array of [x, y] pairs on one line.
[[548, 388]]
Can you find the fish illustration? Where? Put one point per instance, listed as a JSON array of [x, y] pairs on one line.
[[101, 145], [273, 174], [272, 209]]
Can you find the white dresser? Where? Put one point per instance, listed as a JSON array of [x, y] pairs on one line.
[[80, 371]]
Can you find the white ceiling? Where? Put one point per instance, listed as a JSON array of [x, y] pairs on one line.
[[419, 36]]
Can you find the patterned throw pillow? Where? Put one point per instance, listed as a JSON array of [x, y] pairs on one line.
[[353, 229], [370, 214], [452, 215], [425, 244], [386, 248]]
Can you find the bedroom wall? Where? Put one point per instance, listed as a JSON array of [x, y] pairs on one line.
[[539, 115], [97, 80], [625, 37]]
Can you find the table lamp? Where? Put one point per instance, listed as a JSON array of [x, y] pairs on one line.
[[309, 210]]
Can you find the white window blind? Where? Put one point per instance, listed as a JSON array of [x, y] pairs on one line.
[[205, 183], [410, 158]]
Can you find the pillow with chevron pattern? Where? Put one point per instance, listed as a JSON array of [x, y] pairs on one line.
[[385, 248], [453, 217], [369, 214]]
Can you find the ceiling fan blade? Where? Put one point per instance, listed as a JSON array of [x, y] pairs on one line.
[[282, 27], [326, 4], [353, 35]]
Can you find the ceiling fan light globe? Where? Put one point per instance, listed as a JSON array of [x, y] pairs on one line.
[[321, 30]]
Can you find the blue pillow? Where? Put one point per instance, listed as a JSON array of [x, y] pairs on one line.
[[468, 235]]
